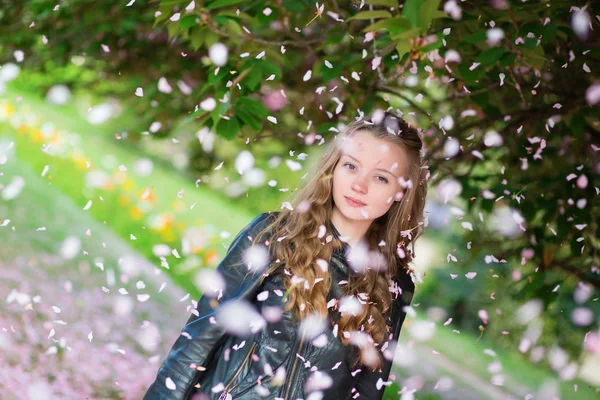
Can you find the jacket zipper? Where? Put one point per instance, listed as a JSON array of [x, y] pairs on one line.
[[228, 390], [287, 392]]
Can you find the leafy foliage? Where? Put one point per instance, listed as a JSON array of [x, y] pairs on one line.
[[506, 94]]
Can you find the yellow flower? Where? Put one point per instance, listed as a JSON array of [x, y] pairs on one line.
[[136, 213], [194, 241], [37, 135], [168, 235], [123, 200], [7, 110], [147, 195], [120, 177], [22, 129], [55, 138], [161, 222], [79, 159], [178, 206], [211, 258], [128, 183]]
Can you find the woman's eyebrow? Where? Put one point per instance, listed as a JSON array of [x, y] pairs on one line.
[[379, 169]]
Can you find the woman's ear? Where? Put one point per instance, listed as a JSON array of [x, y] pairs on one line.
[[399, 196]]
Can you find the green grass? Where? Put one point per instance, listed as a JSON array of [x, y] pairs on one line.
[[210, 208], [71, 116], [39, 205], [465, 350]]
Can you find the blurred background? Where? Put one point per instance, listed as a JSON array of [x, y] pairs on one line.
[[137, 138]]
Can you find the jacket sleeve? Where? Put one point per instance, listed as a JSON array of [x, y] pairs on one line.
[[200, 339], [366, 382]]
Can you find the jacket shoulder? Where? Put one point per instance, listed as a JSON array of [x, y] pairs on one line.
[[406, 285], [259, 223]]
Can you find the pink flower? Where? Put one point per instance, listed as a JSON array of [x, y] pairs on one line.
[[274, 101]]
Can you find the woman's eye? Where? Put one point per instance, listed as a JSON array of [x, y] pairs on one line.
[[381, 178]]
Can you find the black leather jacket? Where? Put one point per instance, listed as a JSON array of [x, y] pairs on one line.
[[199, 354]]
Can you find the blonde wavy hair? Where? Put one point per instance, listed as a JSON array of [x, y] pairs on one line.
[[296, 244]]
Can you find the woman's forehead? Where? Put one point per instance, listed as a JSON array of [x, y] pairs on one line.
[[369, 150], [362, 142]]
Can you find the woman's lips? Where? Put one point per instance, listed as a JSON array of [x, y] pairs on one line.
[[354, 203]]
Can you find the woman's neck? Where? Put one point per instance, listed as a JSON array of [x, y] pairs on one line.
[[351, 230]]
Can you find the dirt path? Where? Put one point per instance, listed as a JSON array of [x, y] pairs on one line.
[[79, 328], [467, 385]]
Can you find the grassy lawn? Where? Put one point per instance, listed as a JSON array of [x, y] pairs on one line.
[[522, 376], [147, 210], [41, 218], [97, 145]]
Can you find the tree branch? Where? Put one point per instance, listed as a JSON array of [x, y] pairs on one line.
[[292, 43], [421, 111]]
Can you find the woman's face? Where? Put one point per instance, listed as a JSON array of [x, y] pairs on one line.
[[368, 171]]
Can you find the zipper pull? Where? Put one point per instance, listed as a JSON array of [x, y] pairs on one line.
[[225, 396]]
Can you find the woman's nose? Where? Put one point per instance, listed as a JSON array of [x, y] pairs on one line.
[[359, 184]]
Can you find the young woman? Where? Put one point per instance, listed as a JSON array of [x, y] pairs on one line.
[[309, 301]]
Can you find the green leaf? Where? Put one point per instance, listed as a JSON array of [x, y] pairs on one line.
[[508, 59], [264, 19], [530, 43], [233, 14], [481, 99], [171, 3], [228, 129], [165, 14], [247, 118], [427, 13], [335, 37], [296, 6], [173, 30], [469, 76], [200, 114], [476, 37], [188, 21], [324, 127], [387, 3], [370, 14], [221, 19], [432, 46], [252, 80], [197, 37], [412, 33], [535, 56], [223, 3], [212, 79], [222, 107], [439, 14], [211, 38], [411, 11], [253, 106], [402, 47], [397, 24], [577, 125], [270, 68], [233, 27], [549, 35], [327, 74], [490, 56]]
